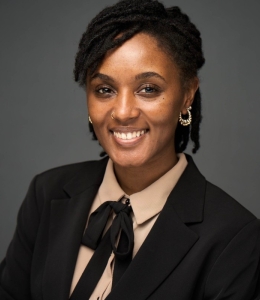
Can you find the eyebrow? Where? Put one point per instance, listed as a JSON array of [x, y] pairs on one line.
[[102, 76], [144, 75]]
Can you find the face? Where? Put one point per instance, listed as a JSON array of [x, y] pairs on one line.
[[140, 87]]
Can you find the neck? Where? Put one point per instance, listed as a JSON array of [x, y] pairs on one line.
[[135, 179]]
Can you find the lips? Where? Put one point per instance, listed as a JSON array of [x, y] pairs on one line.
[[129, 135]]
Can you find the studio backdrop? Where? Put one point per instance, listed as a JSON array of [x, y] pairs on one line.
[[43, 112]]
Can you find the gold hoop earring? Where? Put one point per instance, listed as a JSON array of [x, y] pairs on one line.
[[112, 117], [90, 121], [186, 122]]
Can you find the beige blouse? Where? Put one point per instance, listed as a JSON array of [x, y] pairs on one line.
[[146, 206]]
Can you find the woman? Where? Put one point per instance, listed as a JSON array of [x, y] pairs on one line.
[[142, 223]]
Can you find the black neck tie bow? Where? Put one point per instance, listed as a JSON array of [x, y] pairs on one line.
[[122, 225]]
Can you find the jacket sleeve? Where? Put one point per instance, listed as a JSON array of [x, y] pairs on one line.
[[15, 268], [235, 274]]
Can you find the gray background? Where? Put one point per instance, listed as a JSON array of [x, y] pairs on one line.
[[43, 113]]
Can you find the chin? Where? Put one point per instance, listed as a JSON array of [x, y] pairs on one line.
[[127, 161]]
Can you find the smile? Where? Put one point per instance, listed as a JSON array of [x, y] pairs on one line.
[[129, 135]]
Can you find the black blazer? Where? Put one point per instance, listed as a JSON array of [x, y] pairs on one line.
[[204, 244]]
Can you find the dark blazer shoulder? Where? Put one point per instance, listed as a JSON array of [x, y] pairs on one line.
[[63, 181], [223, 217], [217, 202], [224, 206], [62, 174], [233, 235]]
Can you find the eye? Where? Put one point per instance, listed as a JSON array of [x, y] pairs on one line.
[[104, 90], [149, 89]]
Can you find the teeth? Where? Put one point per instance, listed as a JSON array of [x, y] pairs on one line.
[[129, 135]]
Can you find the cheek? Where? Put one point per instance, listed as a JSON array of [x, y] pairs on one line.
[[97, 110], [164, 112], [92, 107], [98, 117]]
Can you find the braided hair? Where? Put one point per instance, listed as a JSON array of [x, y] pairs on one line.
[[175, 34]]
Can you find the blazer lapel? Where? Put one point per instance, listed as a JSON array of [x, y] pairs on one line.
[[166, 245], [67, 223], [169, 240]]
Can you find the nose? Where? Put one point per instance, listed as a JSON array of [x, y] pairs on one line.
[[125, 108]]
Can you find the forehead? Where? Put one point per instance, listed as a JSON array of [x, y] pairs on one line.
[[139, 54]]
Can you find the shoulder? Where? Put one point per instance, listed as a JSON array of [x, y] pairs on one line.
[[62, 181], [224, 218], [233, 236], [222, 215], [61, 174], [219, 204]]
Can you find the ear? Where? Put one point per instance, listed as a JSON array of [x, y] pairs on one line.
[[191, 89]]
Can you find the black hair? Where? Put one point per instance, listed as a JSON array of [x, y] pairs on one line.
[[174, 33]]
